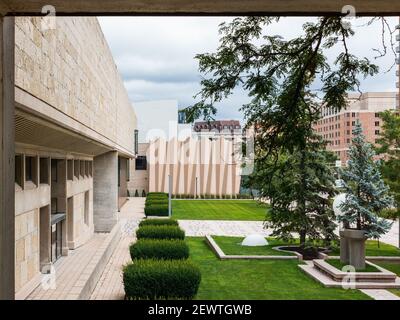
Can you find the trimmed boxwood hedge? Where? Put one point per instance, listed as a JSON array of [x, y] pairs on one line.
[[160, 232], [156, 210], [156, 201], [161, 279], [158, 222], [159, 249]]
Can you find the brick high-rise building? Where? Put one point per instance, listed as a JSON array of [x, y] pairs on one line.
[[336, 127]]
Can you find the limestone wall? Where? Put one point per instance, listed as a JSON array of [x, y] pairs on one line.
[[71, 68], [26, 247]]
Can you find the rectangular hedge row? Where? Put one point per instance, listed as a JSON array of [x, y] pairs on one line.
[[160, 232], [159, 249], [156, 204], [161, 279], [159, 268]]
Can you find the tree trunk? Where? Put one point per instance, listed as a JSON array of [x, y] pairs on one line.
[[302, 238], [302, 200]]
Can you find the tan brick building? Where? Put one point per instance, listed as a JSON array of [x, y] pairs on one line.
[[74, 137], [336, 127]]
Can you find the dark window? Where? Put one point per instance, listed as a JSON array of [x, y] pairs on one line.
[[377, 131], [136, 141], [44, 170], [119, 172], [348, 140], [128, 170], [29, 167], [353, 123], [376, 115], [376, 123], [54, 170], [348, 123], [353, 114], [70, 169], [141, 163], [18, 169], [76, 169]]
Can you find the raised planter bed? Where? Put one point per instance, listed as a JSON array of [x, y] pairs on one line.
[[221, 255]]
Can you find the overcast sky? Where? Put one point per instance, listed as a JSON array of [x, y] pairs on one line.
[[155, 55]]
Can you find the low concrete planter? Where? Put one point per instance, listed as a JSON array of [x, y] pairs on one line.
[[221, 255]]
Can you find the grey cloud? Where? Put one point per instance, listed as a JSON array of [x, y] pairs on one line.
[[155, 55]]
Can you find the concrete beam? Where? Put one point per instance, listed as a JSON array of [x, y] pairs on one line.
[[204, 7], [7, 159]]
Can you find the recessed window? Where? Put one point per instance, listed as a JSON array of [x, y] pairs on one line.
[[19, 169], [76, 169], [86, 209], [353, 123], [82, 168], [141, 163], [70, 169], [30, 169], [44, 170], [54, 170], [136, 141], [377, 132], [376, 123], [128, 170]]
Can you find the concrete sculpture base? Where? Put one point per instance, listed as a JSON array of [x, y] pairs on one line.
[[352, 247]]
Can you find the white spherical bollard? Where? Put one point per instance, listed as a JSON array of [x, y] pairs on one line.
[[339, 200], [255, 240]]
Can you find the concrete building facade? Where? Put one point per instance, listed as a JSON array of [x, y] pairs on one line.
[[200, 162], [74, 136], [336, 127]]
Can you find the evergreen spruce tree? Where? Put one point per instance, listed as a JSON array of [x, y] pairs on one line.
[[300, 189], [366, 192]]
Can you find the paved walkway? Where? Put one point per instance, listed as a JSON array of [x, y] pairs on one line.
[[380, 294], [69, 270], [110, 286], [244, 228], [196, 228]]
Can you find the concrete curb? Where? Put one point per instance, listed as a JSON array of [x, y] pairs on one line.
[[221, 255], [98, 263]]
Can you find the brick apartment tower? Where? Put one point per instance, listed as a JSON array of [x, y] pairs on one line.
[[336, 127]]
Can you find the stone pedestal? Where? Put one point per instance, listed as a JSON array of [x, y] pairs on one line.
[[352, 247]]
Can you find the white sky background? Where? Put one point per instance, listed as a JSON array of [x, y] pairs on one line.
[[155, 55]]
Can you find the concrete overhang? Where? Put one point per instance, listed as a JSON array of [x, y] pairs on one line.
[[202, 7]]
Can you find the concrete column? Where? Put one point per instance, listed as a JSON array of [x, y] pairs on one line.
[[7, 158], [105, 191]]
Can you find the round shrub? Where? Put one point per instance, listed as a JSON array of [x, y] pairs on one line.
[[160, 232], [156, 210], [158, 222], [159, 249], [161, 279]]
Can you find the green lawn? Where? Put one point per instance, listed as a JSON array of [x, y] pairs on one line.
[[232, 246], [258, 279], [218, 210], [372, 249], [339, 265], [394, 267]]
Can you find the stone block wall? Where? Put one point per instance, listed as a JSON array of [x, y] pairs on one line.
[[26, 247], [72, 69]]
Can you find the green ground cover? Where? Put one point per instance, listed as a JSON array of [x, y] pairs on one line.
[[241, 210], [232, 246], [258, 279], [394, 267], [373, 249]]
